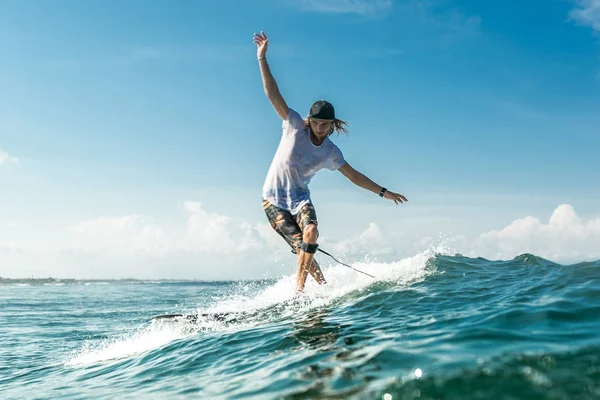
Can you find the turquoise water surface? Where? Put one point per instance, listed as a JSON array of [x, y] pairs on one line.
[[429, 327]]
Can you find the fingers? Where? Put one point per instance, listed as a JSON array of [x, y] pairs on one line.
[[397, 198], [400, 197], [259, 41], [260, 36]]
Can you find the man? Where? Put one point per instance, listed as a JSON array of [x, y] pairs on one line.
[[304, 149]]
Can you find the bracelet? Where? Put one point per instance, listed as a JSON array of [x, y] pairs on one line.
[[383, 190], [263, 58]]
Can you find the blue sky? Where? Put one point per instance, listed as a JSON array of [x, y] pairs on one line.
[[126, 128]]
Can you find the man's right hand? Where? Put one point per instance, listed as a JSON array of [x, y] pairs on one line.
[[269, 84], [261, 41]]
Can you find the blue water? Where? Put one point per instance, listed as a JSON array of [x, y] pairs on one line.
[[429, 327]]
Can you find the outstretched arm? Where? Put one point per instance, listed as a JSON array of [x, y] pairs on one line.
[[269, 84], [364, 182]]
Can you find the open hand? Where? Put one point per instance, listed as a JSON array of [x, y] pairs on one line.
[[395, 197], [261, 41]]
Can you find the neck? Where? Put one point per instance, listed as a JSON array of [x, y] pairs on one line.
[[315, 139]]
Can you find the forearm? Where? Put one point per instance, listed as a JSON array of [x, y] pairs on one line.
[[364, 182], [269, 84], [361, 180]]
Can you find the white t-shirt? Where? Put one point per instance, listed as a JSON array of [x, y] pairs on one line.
[[296, 161]]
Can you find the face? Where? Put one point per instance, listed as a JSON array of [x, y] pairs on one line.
[[321, 127]]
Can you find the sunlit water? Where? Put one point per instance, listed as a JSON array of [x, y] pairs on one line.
[[428, 327]]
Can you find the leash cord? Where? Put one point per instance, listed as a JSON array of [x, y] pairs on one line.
[[345, 265]]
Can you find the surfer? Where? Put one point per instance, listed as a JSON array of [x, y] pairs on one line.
[[304, 149]]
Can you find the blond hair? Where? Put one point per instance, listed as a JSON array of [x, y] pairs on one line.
[[339, 126]]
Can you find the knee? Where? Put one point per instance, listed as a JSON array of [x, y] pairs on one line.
[[310, 233]]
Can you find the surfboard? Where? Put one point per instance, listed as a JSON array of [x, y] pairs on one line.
[[233, 316], [226, 316]]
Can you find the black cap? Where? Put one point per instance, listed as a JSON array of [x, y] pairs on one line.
[[322, 110]]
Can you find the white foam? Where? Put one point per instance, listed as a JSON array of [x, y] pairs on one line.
[[341, 281], [147, 338]]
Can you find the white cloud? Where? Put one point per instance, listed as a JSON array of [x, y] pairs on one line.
[[375, 244], [371, 240], [6, 158], [129, 234], [362, 7], [565, 238], [219, 233], [10, 248], [204, 233], [587, 13], [269, 236], [205, 245]]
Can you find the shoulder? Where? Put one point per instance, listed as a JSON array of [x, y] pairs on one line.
[[292, 124], [334, 151], [334, 156], [294, 119], [332, 146]]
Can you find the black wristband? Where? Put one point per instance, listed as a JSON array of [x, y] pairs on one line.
[[383, 190]]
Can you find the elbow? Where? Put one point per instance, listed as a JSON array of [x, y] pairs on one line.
[[271, 92], [270, 88], [270, 95]]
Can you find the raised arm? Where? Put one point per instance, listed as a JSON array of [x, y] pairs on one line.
[[269, 84], [364, 182]]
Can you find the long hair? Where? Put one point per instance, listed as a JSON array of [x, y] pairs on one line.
[[338, 127]]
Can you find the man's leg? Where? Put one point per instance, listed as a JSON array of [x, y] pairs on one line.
[[289, 228], [315, 272], [306, 258]]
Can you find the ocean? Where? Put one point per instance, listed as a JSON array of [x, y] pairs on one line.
[[432, 326]]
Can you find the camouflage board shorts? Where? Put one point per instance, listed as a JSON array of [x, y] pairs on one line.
[[288, 226]]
